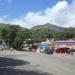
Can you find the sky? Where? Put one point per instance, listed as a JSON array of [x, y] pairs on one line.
[[29, 13]]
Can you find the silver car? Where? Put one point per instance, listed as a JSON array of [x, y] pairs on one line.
[[1, 47]]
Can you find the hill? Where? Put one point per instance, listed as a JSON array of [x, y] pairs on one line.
[[6, 26], [49, 27], [2, 26]]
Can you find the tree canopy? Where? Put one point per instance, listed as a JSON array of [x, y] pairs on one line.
[[14, 35]]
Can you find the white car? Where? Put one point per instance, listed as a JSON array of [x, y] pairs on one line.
[[1, 47], [43, 49]]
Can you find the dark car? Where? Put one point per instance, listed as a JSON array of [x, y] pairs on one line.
[[72, 50], [49, 51]]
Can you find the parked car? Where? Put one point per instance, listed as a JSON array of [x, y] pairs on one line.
[[43, 47], [72, 50], [49, 51], [1, 47]]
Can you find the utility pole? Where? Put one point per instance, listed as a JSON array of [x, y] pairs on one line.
[[48, 30]]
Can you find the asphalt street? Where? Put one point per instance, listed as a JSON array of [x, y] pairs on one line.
[[32, 63]]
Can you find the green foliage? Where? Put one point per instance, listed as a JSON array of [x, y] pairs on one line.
[[56, 35], [8, 35], [68, 34], [39, 34], [4, 35], [21, 36], [19, 39], [14, 36], [0, 41], [4, 26]]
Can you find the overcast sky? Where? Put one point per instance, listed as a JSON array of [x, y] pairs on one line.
[[28, 13]]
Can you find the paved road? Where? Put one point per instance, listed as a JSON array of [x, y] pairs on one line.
[[31, 63]]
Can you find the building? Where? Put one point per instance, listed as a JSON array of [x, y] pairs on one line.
[[65, 43]]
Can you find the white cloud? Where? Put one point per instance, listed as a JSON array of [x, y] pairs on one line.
[[2, 20], [61, 14]]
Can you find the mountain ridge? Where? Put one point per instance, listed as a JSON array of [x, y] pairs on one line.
[[47, 26], [50, 27]]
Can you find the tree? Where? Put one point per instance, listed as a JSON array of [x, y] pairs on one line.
[[19, 39], [12, 34], [39, 35], [4, 35], [68, 34], [8, 35]]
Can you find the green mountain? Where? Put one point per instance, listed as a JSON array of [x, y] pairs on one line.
[[6, 26], [2, 26], [49, 27], [46, 27]]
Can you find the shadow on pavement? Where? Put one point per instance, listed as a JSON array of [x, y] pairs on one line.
[[10, 62], [10, 71], [7, 67]]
